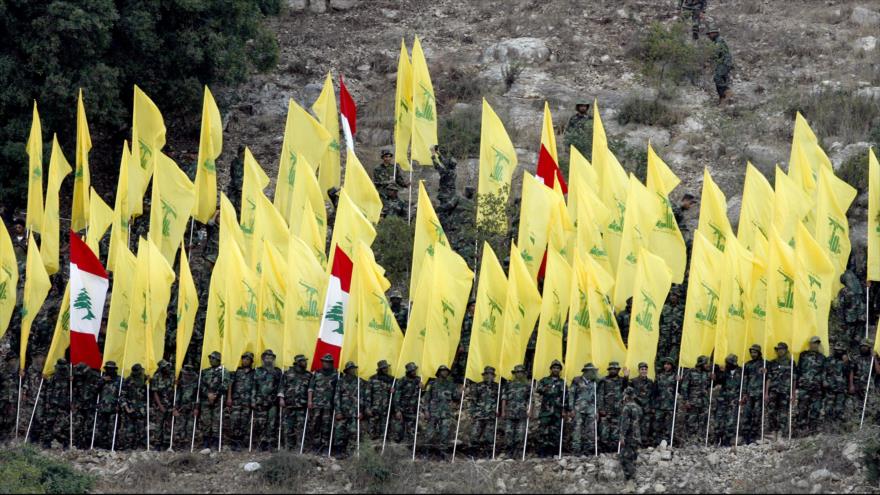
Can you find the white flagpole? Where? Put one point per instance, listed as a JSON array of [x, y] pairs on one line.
[[33, 411], [791, 396], [148, 415], [70, 407], [388, 415], [742, 379], [711, 389], [173, 407], [192, 444], [497, 408], [674, 406], [867, 391], [416, 429], [528, 417], [18, 406], [458, 422], [95, 422], [562, 425], [763, 395]]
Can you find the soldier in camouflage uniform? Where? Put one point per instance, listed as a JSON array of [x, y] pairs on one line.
[[108, 406], [753, 395], [387, 173], [399, 309], [85, 394], [609, 401], [695, 393], [392, 204], [55, 405], [459, 362], [861, 367], [671, 318], [727, 404], [236, 178], [665, 385], [322, 388], [440, 398], [779, 390], [240, 401], [458, 217], [347, 406], [837, 382], [377, 397], [405, 404], [693, 10], [294, 394], [185, 408], [810, 372], [630, 433], [723, 64], [445, 165], [850, 310], [8, 396], [133, 405], [582, 411], [30, 388], [551, 389], [161, 407], [579, 129], [515, 410], [267, 381], [211, 393], [646, 392], [483, 412]]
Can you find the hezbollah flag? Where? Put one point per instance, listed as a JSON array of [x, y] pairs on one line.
[[641, 215], [240, 312], [253, 183], [534, 222], [403, 103], [361, 189], [51, 227], [428, 235], [813, 289], [272, 296], [100, 219], [271, 228], [451, 288], [736, 288], [424, 114], [310, 233], [713, 213], [701, 307], [790, 205], [80, 214], [756, 212], [781, 272], [613, 186], [562, 234], [8, 278], [325, 109], [172, 201], [548, 161], [303, 136], [120, 306], [34, 148], [485, 345], [88, 288], [832, 226], [36, 288], [653, 280], [579, 346], [306, 287], [807, 156], [521, 309], [307, 193], [61, 336], [873, 217], [412, 350], [210, 146], [592, 217], [147, 140], [187, 307], [665, 237], [580, 170], [497, 157], [605, 339], [554, 311], [758, 297], [121, 216]]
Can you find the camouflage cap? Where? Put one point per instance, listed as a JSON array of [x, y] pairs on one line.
[[327, 358], [268, 352], [555, 364], [755, 347], [248, 355], [815, 340], [188, 367], [386, 153], [731, 358], [667, 360], [333, 191], [110, 365], [589, 367], [613, 365], [713, 28], [643, 365], [488, 370], [702, 360], [382, 365], [164, 364], [519, 369], [629, 392], [839, 347], [350, 365], [866, 343], [582, 104], [410, 367], [391, 187], [395, 294], [442, 367], [137, 368], [298, 358], [214, 355], [781, 345], [61, 362]]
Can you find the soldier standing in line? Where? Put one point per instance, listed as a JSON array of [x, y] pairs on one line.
[[347, 406], [723, 64], [162, 389], [646, 393], [459, 362], [185, 408], [753, 395], [294, 395], [810, 371], [387, 173], [630, 430], [133, 403], [728, 401], [27, 405], [108, 406], [445, 165], [483, 412], [377, 397], [551, 390], [85, 392], [610, 390], [861, 367], [239, 401], [212, 392], [405, 404], [666, 380], [779, 392], [582, 410], [321, 392], [399, 309], [439, 401], [8, 395], [54, 406], [515, 410], [695, 392], [267, 381], [837, 382]]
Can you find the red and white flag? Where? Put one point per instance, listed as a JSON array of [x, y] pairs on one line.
[[88, 291], [349, 114], [548, 162], [330, 336]]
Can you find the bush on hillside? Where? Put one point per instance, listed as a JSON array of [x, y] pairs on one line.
[[667, 57], [25, 470]]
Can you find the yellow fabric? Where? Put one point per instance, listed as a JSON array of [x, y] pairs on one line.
[[121, 217], [230, 230], [61, 336], [324, 108], [403, 104], [548, 135], [147, 140], [790, 206], [653, 279], [579, 346], [643, 211], [351, 226], [534, 222], [412, 349], [873, 217], [497, 157], [732, 334], [240, 331], [756, 212], [562, 233], [834, 197], [254, 181], [592, 217], [81, 179], [187, 307], [307, 284], [215, 316], [271, 228], [713, 213], [120, 305], [521, 309], [8, 278], [701, 307], [303, 136], [813, 291], [665, 238], [758, 296], [428, 235], [485, 345], [806, 157], [172, 202], [361, 189], [424, 118], [451, 289], [271, 321], [145, 337], [605, 339], [554, 311], [51, 227], [310, 233], [34, 148], [781, 273], [613, 186], [210, 147], [580, 174], [100, 219], [307, 192]]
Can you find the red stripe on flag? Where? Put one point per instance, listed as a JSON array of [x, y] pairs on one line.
[[84, 349], [342, 269], [82, 256], [548, 170], [323, 348], [347, 107]]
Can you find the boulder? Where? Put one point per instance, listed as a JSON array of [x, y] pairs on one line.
[[865, 44], [532, 50], [318, 6], [820, 475], [250, 467], [297, 5], [343, 4], [865, 17]]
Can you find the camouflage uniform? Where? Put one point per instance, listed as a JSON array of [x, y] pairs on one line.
[[778, 391], [267, 381], [458, 217], [723, 66], [851, 307], [861, 366], [377, 397], [693, 10], [483, 411], [579, 130], [664, 405], [630, 434], [446, 166], [240, 399], [294, 391], [671, 318], [459, 362], [236, 177], [610, 395], [347, 407], [582, 403], [322, 388], [393, 205], [54, 406], [161, 407], [515, 399], [810, 370], [440, 396], [211, 394], [753, 394], [399, 309], [728, 402], [86, 382], [133, 404], [108, 406], [185, 407], [695, 392], [646, 392], [8, 396], [405, 403], [383, 175], [835, 383], [551, 389], [30, 388]]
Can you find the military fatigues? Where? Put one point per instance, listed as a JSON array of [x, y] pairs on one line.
[[384, 175], [810, 370], [693, 11], [664, 404], [861, 366], [551, 390], [516, 403], [133, 404], [108, 406], [723, 66], [483, 410], [579, 132], [835, 383], [394, 207], [695, 392], [295, 392], [630, 433], [347, 406], [446, 166], [459, 362], [778, 394], [184, 409], [211, 394], [727, 405], [161, 407], [8, 399], [54, 407], [609, 402], [645, 395], [582, 401], [322, 388], [753, 394], [241, 391], [405, 403], [30, 388], [440, 396], [377, 397], [86, 383], [266, 384]]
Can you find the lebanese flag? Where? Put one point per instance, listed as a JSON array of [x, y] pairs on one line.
[[548, 162], [349, 114], [335, 304], [88, 291]]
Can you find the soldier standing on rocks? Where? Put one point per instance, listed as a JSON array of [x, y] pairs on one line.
[[108, 406], [515, 410], [213, 391], [779, 392], [582, 411], [185, 407], [440, 403], [695, 392], [267, 380], [646, 393], [610, 397], [322, 389], [753, 396], [723, 64], [483, 411], [133, 403], [728, 401], [837, 383], [377, 396], [55, 406], [387, 173], [161, 412], [85, 392], [630, 433], [405, 404], [810, 372], [861, 367], [239, 401], [346, 404], [294, 399], [551, 389], [665, 383]]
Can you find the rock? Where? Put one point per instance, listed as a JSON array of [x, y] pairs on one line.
[[852, 452], [297, 5], [640, 137], [659, 488], [205, 451], [532, 50], [765, 157], [343, 4], [563, 462], [663, 445], [872, 92], [335, 467], [842, 155], [539, 468], [363, 67], [252, 466], [389, 13], [622, 13], [802, 484], [666, 455], [655, 457], [865, 17], [820, 475], [817, 488], [713, 459], [691, 124], [318, 6], [866, 44], [500, 485]]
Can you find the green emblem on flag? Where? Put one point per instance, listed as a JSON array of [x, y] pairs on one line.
[[385, 324], [646, 317], [310, 310], [709, 314], [335, 314], [84, 302], [426, 112], [490, 323], [168, 213]]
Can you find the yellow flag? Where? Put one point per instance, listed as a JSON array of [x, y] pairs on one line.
[[554, 311], [521, 309], [813, 289], [253, 183], [51, 227], [758, 297], [592, 217], [485, 345], [100, 219], [832, 227], [145, 337], [8, 278], [61, 336], [643, 211], [81, 180], [653, 279], [580, 174], [665, 237], [873, 217], [36, 288], [34, 220], [713, 213], [172, 201], [310, 234], [303, 136], [613, 186], [562, 233], [412, 349], [781, 272], [790, 205], [428, 235], [120, 306], [230, 230], [361, 189], [307, 192], [497, 157], [351, 226], [534, 222], [701, 307], [215, 314], [271, 228], [756, 212], [147, 140], [210, 146], [732, 334], [807, 156], [606, 341], [579, 345], [451, 289], [187, 307], [424, 118], [121, 217], [325, 109], [240, 333], [272, 296], [307, 283], [403, 104]]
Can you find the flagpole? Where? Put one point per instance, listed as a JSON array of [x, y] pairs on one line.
[[18, 406], [222, 403], [333, 418], [173, 408], [416, 429], [562, 422], [116, 417], [33, 411], [742, 379], [280, 425], [867, 309], [674, 406], [528, 417], [497, 408], [302, 442], [409, 201], [251, 435], [595, 420], [763, 395], [458, 422], [791, 396], [867, 391], [191, 228], [388, 415], [358, 418], [95, 422], [148, 415], [70, 407], [192, 445], [711, 389]]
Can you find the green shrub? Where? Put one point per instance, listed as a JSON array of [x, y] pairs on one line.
[[841, 113], [285, 469], [25, 470], [510, 73], [371, 471], [460, 132], [666, 56], [634, 160], [393, 247], [458, 85], [855, 171], [872, 460], [264, 51], [647, 112]]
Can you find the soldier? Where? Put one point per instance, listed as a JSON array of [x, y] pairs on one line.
[[162, 390], [695, 392], [185, 407], [239, 401], [55, 406], [267, 380], [445, 165], [579, 129], [483, 411], [322, 388], [133, 403], [236, 177], [387, 173], [392, 204], [609, 401], [31, 382], [211, 393], [851, 307], [645, 395], [671, 318], [439, 405], [399, 309], [294, 394], [347, 406], [665, 385], [515, 410], [779, 389], [630, 431], [459, 362], [582, 410], [810, 370], [723, 64], [693, 10], [728, 401], [108, 406], [85, 394], [8, 395], [551, 389], [753, 395], [405, 404], [837, 382], [459, 216], [377, 397], [861, 368]]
